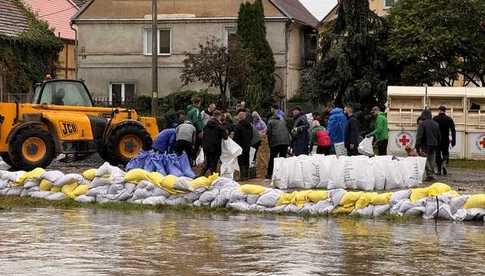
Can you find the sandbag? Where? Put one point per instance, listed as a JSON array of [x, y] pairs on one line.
[[89, 174], [29, 183], [208, 196], [295, 173], [69, 189], [378, 166], [241, 206], [280, 174], [157, 178], [184, 165], [69, 179], [97, 191], [34, 174], [106, 170], [100, 181], [136, 175], [52, 176], [40, 194], [336, 179], [382, 199], [399, 196], [56, 189], [85, 199], [412, 170], [323, 207], [475, 202], [380, 210], [56, 196], [366, 146], [139, 161], [250, 189], [176, 201], [199, 161], [418, 193], [171, 167], [438, 189], [168, 183], [270, 198], [154, 200], [183, 184], [12, 176], [45, 185], [317, 196], [336, 196], [394, 177]]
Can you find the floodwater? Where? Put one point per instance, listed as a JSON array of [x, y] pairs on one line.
[[49, 241]]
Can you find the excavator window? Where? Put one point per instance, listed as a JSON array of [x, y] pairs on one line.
[[70, 93]]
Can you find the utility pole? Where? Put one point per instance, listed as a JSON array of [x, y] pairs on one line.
[[154, 59]]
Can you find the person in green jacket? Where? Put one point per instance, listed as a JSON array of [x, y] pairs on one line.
[[194, 115], [381, 131]]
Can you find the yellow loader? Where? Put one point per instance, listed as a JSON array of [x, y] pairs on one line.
[[63, 119]]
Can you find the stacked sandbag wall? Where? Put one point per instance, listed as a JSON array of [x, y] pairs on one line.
[[111, 184]]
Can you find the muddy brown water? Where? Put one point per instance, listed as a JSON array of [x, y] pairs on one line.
[[47, 241]]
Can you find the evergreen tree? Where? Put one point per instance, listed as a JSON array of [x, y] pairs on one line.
[[353, 68], [252, 32]]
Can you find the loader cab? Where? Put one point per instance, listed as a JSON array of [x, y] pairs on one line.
[[62, 92]]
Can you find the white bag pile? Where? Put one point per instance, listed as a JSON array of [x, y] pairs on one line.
[[356, 172], [111, 184]]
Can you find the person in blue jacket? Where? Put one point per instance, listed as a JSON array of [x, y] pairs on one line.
[[165, 141], [336, 125]]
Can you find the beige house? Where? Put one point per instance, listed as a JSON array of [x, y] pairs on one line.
[[114, 42]]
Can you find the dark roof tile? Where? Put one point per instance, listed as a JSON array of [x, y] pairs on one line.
[[296, 10], [13, 19]]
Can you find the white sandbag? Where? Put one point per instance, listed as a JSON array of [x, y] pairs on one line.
[[69, 179], [12, 176], [380, 210], [176, 201], [336, 196], [474, 214], [197, 204], [140, 193], [295, 173], [208, 196], [230, 151], [52, 176], [270, 198], [365, 212], [399, 196], [97, 191], [292, 209], [415, 211], [457, 203], [31, 183], [323, 207], [379, 167], [252, 199], [115, 189], [223, 182], [192, 196], [306, 209], [100, 181], [183, 184], [325, 166], [412, 170], [41, 194], [34, 189], [222, 198], [237, 195], [154, 200], [14, 191], [394, 179], [308, 165], [278, 209], [157, 191], [56, 196], [107, 170], [406, 205], [85, 199], [366, 147], [256, 208], [336, 179], [357, 173], [3, 183], [239, 206], [280, 174], [199, 161]]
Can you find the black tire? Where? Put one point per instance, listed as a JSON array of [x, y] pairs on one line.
[[116, 157], [6, 158], [21, 162]]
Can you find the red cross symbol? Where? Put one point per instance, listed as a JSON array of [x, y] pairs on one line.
[[405, 140], [482, 143]]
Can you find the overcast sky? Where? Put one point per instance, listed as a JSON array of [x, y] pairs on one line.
[[319, 8]]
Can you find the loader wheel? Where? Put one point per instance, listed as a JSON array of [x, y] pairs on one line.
[[6, 158], [32, 148], [126, 143]]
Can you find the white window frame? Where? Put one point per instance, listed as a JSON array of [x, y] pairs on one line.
[[123, 85], [145, 41], [386, 6]]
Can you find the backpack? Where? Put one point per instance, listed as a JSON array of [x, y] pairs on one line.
[[323, 139]]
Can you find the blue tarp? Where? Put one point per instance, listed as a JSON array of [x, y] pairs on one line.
[[164, 163]]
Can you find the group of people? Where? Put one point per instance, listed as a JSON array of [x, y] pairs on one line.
[[433, 140]]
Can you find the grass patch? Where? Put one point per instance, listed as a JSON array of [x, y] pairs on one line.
[[467, 164]]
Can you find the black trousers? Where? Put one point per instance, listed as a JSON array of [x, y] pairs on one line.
[[442, 156], [256, 147], [182, 146], [277, 151], [243, 159], [382, 147], [324, 150], [211, 162]]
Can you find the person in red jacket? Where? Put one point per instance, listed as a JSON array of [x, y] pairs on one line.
[[320, 138]]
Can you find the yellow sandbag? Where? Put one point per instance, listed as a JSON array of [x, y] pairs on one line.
[[382, 199], [453, 193], [80, 190], [350, 198], [137, 175], [343, 210], [438, 189], [156, 178], [200, 182], [418, 193], [285, 199], [250, 189], [213, 177], [33, 174], [317, 196], [365, 200], [68, 189], [168, 182], [89, 174], [56, 189], [45, 185], [475, 201], [300, 198]]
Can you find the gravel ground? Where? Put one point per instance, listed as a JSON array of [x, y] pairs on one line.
[[466, 181]]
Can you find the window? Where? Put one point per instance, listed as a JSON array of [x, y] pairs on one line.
[[63, 93], [231, 34], [164, 41], [121, 93], [388, 4]]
